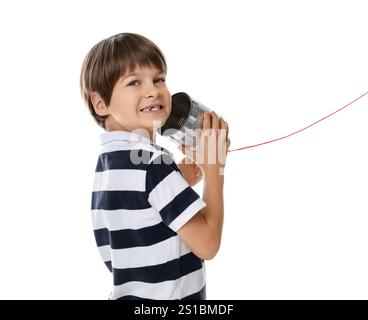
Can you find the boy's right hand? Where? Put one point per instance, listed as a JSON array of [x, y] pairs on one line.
[[214, 144], [202, 233]]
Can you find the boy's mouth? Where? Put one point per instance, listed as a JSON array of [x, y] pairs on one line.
[[152, 108]]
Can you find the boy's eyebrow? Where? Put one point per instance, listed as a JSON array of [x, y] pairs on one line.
[[128, 75], [132, 74]]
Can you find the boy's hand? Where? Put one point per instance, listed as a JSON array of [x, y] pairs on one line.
[[214, 144], [190, 171]]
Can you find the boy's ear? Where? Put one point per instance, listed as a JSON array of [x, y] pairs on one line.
[[99, 104]]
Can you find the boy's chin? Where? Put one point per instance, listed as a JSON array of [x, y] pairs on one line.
[[160, 121], [154, 123]]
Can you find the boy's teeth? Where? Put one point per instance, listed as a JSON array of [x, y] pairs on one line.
[[151, 108]]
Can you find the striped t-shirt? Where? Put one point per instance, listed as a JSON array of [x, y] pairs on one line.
[[139, 201]]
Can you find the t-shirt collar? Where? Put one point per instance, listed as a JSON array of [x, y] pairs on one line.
[[109, 136]]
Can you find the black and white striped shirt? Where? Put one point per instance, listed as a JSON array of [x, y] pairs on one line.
[[139, 201]]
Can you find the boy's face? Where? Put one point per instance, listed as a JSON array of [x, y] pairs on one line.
[[140, 99]]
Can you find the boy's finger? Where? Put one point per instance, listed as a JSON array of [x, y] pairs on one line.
[[206, 121], [215, 121], [222, 123], [188, 152], [223, 131], [228, 142], [227, 129]]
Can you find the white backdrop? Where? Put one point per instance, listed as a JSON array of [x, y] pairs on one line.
[[296, 210]]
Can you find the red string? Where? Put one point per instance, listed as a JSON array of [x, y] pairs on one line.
[[300, 130]]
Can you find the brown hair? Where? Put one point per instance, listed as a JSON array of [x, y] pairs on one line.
[[110, 59]]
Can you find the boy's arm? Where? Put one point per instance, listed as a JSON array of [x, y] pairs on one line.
[[202, 233]]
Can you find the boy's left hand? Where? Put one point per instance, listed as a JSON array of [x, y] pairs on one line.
[[190, 171]]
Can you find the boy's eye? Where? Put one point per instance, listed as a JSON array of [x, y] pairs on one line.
[[159, 80], [133, 83]]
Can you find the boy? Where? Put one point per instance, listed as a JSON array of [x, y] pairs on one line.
[[152, 229]]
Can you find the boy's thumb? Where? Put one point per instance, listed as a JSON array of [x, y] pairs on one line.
[[187, 151]]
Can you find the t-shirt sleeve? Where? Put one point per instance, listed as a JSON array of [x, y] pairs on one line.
[[170, 194]]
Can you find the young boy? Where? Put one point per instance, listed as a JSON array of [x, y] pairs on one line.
[[152, 229]]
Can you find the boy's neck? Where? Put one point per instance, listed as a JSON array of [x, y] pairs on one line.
[[111, 125]]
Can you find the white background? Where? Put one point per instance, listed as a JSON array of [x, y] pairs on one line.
[[296, 210]]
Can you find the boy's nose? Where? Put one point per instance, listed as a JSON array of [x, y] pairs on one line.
[[152, 92]]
